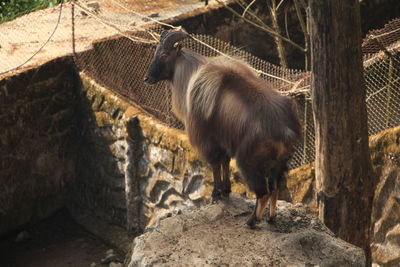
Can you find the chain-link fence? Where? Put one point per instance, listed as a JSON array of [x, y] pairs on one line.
[[381, 50], [120, 62]]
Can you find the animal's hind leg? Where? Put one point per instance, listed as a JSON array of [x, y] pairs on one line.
[[261, 204], [226, 183], [272, 205], [255, 178], [274, 183], [254, 163]]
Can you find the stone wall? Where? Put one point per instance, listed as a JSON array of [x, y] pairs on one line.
[[99, 185], [37, 141]]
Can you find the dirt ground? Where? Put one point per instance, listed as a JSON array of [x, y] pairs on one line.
[[55, 242]]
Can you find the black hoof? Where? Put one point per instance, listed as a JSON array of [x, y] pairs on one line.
[[271, 219], [226, 193], [216, 196], [249, 226], [252, 223], [215, 200]]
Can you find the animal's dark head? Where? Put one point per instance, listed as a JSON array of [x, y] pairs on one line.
[[163, 62]]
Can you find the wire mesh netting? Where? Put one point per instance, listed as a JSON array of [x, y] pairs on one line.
[[120, 62], [381, 50]]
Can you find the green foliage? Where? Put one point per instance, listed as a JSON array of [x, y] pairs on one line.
[[10, 9]]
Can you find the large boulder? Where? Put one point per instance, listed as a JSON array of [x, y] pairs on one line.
[[215, 236]]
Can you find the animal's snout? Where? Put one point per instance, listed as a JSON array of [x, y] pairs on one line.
[[149, 80]]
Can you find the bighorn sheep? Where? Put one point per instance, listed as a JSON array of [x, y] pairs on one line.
[[228, 111]]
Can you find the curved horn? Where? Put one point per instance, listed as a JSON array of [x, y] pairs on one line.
[[163, 35], [169, 39]]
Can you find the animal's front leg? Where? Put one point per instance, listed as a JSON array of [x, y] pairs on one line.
[[226, 183], [217, 191]]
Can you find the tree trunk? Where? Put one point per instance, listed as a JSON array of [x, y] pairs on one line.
[[345, 181]]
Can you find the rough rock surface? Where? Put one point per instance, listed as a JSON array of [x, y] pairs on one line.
[[215, 236], [385, 246]]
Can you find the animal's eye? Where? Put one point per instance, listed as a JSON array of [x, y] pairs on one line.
[[164, 55]]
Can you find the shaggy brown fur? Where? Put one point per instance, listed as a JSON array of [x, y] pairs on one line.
[[230, 112]]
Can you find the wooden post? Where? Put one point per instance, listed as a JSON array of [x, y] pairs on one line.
[[132, 187], [345, 180]]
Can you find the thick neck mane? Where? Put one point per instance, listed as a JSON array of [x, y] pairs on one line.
[[186, 64]]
